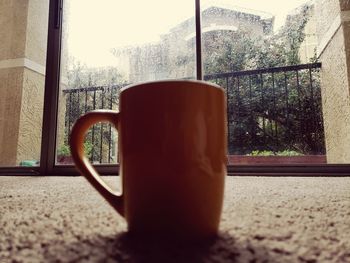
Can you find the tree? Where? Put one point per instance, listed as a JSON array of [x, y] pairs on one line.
[[261, 106], [89, 89], [226, 51], [80, 76]]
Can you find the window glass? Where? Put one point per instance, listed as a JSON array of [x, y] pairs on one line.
[[264, 53], [108, 44]]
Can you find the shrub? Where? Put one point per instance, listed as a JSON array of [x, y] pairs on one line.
[[271, 153]]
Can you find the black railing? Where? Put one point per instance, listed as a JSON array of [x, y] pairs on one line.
[[100, 141], [275, 110]]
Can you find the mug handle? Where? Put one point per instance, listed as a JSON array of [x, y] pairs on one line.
[[76, 142]]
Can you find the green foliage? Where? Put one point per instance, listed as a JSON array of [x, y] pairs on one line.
[[228, 51], [88, 148], [80, 75], [271, 153], [242, 50], [64, 149], [262, 106]]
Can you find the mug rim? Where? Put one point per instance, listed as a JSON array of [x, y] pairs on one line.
[[172, 80]]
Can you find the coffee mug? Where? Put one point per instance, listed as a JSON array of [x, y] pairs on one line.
[[173, 154]]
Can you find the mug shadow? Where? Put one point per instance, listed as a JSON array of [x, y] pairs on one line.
[[126, 248]]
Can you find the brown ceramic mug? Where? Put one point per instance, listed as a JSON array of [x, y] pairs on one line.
[[172, 154]]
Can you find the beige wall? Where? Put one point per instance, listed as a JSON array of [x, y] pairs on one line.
[[333, 48], [13, 23], [61, 136], [326, 12], [36, 33], [29, 140], [23, 34], [335, 99], [308, 47], [13, 17], [10, 101]]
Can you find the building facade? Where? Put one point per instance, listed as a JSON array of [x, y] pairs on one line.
[[174, 55]]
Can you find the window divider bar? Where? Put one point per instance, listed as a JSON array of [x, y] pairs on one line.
[[49, 127], [198, 20]]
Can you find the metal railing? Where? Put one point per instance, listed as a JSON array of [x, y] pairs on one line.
[[100, 141], [275, 109]]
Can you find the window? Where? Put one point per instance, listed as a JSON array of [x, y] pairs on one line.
[[265, 59], [285, 73], [100, 56]]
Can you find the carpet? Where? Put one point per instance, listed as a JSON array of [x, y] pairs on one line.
[[265, 219]]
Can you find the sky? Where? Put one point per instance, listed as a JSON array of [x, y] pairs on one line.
[[96, 26]]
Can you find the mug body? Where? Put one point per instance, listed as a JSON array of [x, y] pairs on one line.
[[173, 156]]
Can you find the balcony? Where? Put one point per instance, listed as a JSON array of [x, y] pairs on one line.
[[274, 116]]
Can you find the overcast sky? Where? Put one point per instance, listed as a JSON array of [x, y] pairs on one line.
[[96, 26]]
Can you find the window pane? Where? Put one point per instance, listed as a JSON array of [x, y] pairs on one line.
[[257, 51], [108, 44], [23, 34]]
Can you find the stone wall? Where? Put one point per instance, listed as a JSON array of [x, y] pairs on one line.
[[333, 49]]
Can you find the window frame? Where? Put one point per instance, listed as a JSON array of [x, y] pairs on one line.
[[48, 166]]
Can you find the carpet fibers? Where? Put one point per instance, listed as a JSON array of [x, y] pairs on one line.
[[265, 219]]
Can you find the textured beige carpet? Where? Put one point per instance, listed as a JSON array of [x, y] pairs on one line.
[[265, 219]]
